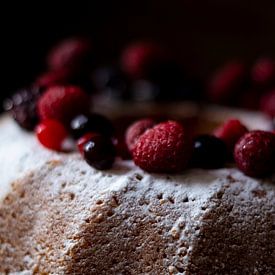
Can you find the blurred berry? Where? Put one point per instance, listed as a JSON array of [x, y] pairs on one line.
[[63, 103], [230, 132], [95, 123], [22, 106], [138, 58], [263, 72], [227, 83], [209, 152], [72, 53], [268, 103]]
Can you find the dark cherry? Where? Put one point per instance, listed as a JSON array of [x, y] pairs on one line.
[[97, 123], [99, 152], [22, 106], [209, 152]]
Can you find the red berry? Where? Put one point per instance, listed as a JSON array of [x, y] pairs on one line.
[[263, 72], [230, 132], [51, 134], [226, 83], [163, 148], [137, 59], [70, 53], [268, 103], [83, 140], [63, 103], [255, 153], [136, 130]]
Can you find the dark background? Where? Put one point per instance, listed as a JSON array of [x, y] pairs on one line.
[[202, 34]]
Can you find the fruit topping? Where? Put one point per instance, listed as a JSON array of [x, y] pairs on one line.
[[71, 53], [209, 152], [230, 132], [163, 148], [22, 106], [263, 72], [136, 130], [99, 152], [137, 59], [97, 123], [268, 103], [226, 83], [63, 103], [255, 153], [83, 140], [51, 134]]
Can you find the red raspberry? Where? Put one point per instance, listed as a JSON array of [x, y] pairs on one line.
[[263, 72], [63, 103], [230, 132], [226, 82], [83, 140], [163, 148], [51, 134], [136, 130], [138, 58], [69, 53], [255, 153], [268, 103]]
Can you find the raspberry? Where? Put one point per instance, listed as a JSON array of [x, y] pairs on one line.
[[163, 148], [263, 72], [63, 103], [255, 153], [137, 59], [70, 53], [268, 103], [230, 132], [51, 134], [136, 130], [225, 84]]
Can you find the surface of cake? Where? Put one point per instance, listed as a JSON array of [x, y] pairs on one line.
[[60, 216]]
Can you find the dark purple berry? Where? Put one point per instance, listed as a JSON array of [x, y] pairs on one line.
[[22, 106], [209, 152], [96, 123], [99, 152], [26, 116]]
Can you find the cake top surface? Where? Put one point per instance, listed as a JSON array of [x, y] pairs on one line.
[[23, 154]]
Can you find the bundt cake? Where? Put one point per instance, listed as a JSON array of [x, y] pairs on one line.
[[60, 216]]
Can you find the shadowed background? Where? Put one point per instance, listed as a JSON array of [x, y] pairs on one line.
[[203, 35]]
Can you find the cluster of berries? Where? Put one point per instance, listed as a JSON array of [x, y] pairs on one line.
[[58, 108], [167, 147], [251, 87], [62, 114]]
